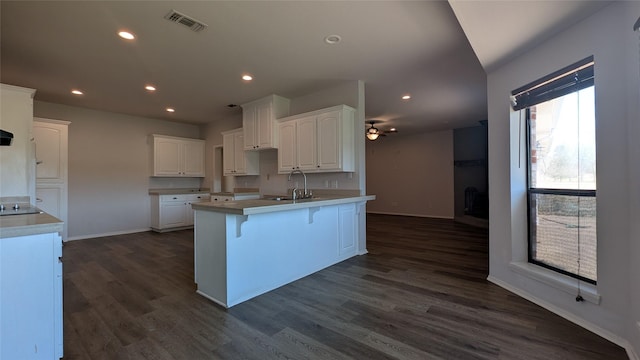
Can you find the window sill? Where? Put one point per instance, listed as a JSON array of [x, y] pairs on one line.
[[561, 282]]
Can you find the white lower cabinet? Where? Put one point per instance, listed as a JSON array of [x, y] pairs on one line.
[[173, 212], [234, 196], [31, 297]]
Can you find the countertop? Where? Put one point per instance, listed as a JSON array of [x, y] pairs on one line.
[[234, 193], [178, 191], [262, 206], [29, 224]]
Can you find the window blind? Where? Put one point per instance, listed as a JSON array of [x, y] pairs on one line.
[[570, 79]]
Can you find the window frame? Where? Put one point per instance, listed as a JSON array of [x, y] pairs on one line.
[[548, 191]]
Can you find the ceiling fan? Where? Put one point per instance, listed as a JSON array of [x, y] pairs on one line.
[[373, 132]]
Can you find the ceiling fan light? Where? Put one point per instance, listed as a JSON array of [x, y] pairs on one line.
[[372, 136]]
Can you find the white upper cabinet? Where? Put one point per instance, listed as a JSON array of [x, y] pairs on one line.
[[306, 143], [259, 123], [235, 160], [287, 152], [177, 157], [318, 141]]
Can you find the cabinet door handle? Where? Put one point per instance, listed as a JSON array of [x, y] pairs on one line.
[[38, 200]]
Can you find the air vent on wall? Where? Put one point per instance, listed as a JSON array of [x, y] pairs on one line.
[[189, 22]]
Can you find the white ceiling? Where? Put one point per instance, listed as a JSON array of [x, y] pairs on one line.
[[395, 47]]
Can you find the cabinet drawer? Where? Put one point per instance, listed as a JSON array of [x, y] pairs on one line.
[[184, 197]]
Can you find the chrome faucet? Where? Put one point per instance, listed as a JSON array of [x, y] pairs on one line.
[[294, 194]]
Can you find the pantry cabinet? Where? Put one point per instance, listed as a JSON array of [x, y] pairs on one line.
[[235, 160], [177, 157], [51, 149], [318, 141], [173, 212], [259, 123]]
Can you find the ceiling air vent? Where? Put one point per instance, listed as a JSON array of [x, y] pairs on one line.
[[183, 19]]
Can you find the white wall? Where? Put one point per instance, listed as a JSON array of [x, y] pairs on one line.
[[17, 174], [601, 35], [109, 166], [411, 174]]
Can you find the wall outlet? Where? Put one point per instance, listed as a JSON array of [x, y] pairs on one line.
[[326, 184], [350, 175], [335, 184]]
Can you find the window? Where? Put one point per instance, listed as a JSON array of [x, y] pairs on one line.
[[561, 189]]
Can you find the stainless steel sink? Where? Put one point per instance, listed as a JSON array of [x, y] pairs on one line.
[[279, 198]]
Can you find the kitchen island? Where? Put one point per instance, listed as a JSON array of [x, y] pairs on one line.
[[249, 247]]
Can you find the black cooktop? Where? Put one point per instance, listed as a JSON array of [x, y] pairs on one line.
[[18, 209]]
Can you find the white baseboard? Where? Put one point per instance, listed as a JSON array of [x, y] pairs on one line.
[[91, 236], [415, 215], [606, 334]]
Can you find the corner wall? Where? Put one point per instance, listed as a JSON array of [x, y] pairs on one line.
[[17, 175], [633, 90], [600, 35]]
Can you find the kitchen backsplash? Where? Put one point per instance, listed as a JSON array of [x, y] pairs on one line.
[[270, 182], [174, 183]]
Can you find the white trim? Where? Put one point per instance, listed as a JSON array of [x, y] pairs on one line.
[[29, 91], [212, 299], [112, 233], [561, 282], [51, 121], [606, 334], [405, 214]]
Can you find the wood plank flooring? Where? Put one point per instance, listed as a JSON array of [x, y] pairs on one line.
[[420, 293]]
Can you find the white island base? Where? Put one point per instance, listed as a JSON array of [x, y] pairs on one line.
[[238, 257]]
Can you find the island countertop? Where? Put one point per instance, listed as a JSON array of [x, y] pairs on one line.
[[263, 206], [29, 224]]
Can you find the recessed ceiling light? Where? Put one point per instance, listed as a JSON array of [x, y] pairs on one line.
[[126, 35], [76, 92], [406, 97], [393, 130], [247, 77], [332, 39], [150, 88], [171, 110]]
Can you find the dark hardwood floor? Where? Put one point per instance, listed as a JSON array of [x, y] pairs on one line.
[[420, 293]]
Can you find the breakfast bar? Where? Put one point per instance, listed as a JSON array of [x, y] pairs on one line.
[[246, 248]]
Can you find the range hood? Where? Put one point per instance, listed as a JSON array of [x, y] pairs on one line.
[[5, 138]]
